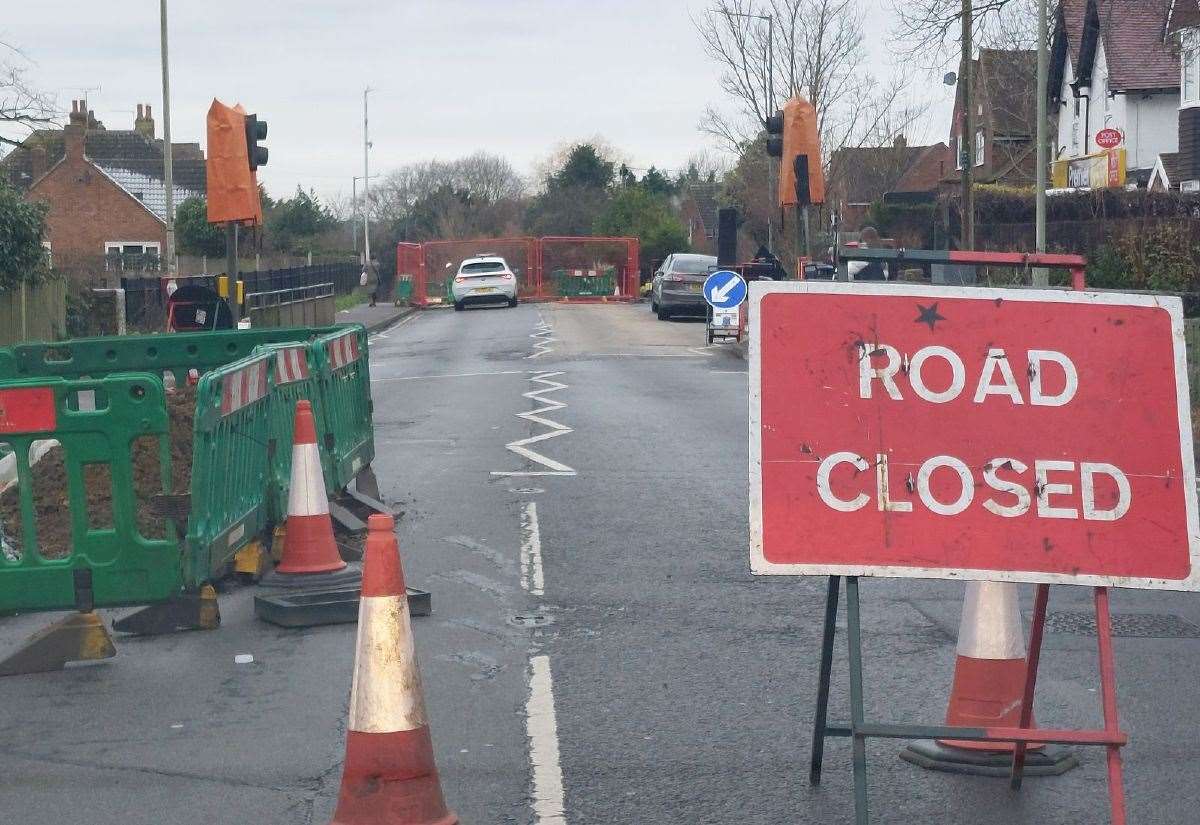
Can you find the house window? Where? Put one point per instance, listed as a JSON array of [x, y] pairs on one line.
[[49, 254], [958, 154], [979, 148], [1189, 59], [131, 256]]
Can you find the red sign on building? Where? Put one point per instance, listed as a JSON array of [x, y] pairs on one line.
[[1109, 138], [944, 432]]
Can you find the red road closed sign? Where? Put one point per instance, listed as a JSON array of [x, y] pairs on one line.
[[945, 432]]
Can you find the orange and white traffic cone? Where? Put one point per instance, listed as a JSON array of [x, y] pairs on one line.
[[310, 555], [389, 775], [988, 689]]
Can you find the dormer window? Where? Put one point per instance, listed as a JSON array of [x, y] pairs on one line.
[[1189, 59]]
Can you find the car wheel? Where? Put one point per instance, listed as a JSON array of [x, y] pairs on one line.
[[458, 306], [653, 306], [512, 302], [663, 314]]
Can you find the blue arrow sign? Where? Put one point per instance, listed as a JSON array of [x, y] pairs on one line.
[[724, 289]]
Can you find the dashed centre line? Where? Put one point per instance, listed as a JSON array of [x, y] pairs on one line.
[[541, 725], [533, 578]]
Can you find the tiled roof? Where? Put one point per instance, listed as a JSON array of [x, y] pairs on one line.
[[1073, 13], [1139, 56], [1185, 14], [130, 158], [866, 173], [1173, 168], [705, 196], [1009, 79]]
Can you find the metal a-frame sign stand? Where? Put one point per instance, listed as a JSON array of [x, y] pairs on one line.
[[859, 730]]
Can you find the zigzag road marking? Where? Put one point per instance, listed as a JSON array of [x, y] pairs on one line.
[[543, 337], [521, 447]]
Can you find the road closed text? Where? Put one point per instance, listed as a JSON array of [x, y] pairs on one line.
[[1007, 486]]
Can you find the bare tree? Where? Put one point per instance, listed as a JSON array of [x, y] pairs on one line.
[[931, 29], [819, 53], [22, 107]]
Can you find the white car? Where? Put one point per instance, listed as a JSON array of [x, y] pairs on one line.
[[484, 279]]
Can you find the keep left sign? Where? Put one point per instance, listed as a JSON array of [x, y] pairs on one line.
[[942, 432]]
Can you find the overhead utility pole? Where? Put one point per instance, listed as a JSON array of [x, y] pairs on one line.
[[1041, 276], [967, 134]]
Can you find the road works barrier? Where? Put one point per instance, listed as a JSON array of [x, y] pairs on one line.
[[239, 455], [550, 268], [102, 557], [176, 353], [389, 774], [967, 433]]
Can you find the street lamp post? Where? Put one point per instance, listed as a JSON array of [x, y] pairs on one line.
[[354, 201], [366, 179]]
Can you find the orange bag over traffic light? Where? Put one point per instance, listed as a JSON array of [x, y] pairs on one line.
[[232, 184], [800, 137]]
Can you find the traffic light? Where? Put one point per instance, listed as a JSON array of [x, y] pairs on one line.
[[256, 130], [230, 165], [801, 178], [775, 135]]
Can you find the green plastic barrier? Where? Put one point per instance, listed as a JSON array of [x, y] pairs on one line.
[[175, 352], [567, 285], [344, 381], [404, 290], [105, 560], [294, 378], [231, 465]]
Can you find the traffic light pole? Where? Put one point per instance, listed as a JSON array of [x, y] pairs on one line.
[[231, 269]]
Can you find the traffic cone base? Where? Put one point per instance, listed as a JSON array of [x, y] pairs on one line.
[[389, 774], [309, 549], [391, 777], [988, 691]]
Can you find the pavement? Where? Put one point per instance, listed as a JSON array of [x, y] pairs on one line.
[[598, 651], [374, 318]]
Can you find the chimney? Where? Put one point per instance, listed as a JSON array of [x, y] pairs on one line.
[[900, 141], [75, 133], [144, 125]]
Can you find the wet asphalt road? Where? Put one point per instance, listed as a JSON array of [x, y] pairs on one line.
[[681, 687]]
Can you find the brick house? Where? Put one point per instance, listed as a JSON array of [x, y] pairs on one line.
[[1112, 66], [105, 190], [860, 176], [698, 213], [1005, 122], [1181, 170]]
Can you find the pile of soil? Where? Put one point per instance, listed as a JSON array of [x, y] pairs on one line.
[[50, 495]]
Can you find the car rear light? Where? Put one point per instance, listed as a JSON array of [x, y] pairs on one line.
[[460, 280], [507, 276]]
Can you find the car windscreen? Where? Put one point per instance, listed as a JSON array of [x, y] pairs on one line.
[[481, 268], [692, 266]]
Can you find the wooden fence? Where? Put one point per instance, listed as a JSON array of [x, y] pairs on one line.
[[33, 313]]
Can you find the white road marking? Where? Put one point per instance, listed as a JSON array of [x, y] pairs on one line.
[[543, 337], [450, 375], [542, 728], [521, 446], [532, 576]]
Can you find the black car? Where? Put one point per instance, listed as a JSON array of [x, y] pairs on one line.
[[678, 286]]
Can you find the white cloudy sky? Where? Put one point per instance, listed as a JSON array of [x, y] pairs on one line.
[[516, 77]]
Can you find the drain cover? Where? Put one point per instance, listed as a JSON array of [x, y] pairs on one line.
[[534, 620], [1149, 625]]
